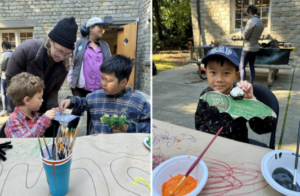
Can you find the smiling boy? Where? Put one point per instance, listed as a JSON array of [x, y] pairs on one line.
[[113, 99], [222, 70]]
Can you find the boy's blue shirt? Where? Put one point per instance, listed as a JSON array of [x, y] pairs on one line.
[[98, 104]]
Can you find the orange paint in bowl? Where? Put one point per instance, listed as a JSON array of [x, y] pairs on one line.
[[187, 186]]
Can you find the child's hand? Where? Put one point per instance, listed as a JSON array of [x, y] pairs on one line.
[[56, 109], [123, 128], [50, 114], [64, 104], [247, 88]]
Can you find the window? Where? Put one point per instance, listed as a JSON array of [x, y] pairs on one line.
[[25, 35], [15, 36], [240, 12], [10, 37]]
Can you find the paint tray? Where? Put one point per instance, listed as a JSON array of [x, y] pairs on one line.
[[276, 159]]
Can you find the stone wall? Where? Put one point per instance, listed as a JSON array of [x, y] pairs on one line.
[[215, 23], [214, 20], [144, 48], [286, 25], [48, 13]]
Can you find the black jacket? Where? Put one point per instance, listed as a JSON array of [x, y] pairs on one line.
[[31, 57], [210, 120]]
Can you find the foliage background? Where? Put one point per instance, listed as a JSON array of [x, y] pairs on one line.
[[172, 25]]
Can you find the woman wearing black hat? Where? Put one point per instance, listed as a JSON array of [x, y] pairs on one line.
[[85, 76], [48, 60]]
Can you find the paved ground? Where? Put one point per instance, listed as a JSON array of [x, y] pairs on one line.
[[64, 92], [176, 93]]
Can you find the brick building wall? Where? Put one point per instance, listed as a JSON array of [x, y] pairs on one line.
[[143, 58], [45, 14], [216, 23]]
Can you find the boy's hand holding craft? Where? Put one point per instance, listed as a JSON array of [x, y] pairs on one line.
[[57, 109], [50, 114], [247, 88], [113, 124], [117, 124], [123, 128], [64, 104]]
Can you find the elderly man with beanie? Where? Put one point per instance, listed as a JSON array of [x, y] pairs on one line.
[[85, 76], [253, 30], [48, 60]]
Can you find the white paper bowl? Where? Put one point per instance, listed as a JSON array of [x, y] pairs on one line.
[[287, 161], [179, 165]]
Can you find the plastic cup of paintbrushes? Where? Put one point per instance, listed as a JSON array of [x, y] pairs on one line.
[[57, 173], [179, 165]]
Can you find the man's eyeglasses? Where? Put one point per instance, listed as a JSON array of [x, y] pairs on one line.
[[58, 53]]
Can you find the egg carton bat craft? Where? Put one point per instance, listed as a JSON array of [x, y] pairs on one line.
[[235, 105]]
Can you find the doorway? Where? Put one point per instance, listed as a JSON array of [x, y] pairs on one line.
[[122, 39]]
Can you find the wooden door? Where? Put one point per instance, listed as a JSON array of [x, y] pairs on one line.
[[127, 44]]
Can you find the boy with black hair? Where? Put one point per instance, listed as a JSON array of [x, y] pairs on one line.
[[113, 99], [222, 70]]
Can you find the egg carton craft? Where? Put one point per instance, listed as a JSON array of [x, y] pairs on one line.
[[149, 140], [114, 119], [236, 106], [237, 94]]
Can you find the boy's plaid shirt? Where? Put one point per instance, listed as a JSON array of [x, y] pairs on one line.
[[98, 104], [19, 125]]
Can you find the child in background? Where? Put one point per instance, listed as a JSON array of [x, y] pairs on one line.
[[26, 92], [222, 70], [113, 99], [6, 48]]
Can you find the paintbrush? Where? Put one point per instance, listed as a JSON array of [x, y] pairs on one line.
[[57, 147], [59, 144], [66, 137], [53, 144], [41, 147], [70, 142], [60, 148], [60, 152], [197, 160], [57, 135], [296, 158], [76, 131], [64, 140], [66, 143], [47, 147]]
